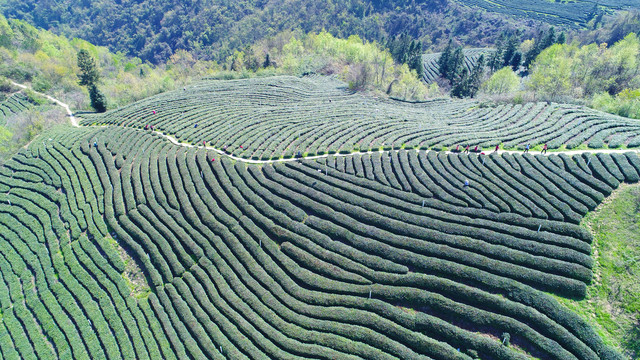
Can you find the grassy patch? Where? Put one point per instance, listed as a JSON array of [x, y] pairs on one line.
[[612, 304]]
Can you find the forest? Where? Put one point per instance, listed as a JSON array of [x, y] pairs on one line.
[[153, 30]]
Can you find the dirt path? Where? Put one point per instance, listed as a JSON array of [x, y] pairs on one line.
[[74, 122], [72, 118]]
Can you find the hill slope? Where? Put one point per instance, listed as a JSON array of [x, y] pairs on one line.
[[269, 118], [153, 30], [276, 261], [565, 13]]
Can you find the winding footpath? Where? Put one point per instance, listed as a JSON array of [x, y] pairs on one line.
[[173, 140], [72, 118]]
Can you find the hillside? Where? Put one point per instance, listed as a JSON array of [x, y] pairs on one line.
[[564, 13], [153, 30], [270, 118], [120, 242], [282, 260]]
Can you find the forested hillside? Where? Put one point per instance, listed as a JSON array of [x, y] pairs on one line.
[[154, 30]]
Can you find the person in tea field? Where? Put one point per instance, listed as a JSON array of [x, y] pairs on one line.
[[497, 148], [526, 149], [466, 150], [475, 149], [544, 149], [466, 183]]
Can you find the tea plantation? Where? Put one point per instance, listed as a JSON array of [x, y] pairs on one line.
[[565, 13], [279, 117], [116, 243], [14, 104]]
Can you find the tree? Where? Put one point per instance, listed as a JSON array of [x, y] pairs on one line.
[[516, 60], [461, 88], [543, 42], [267, 61], [89, 77], [562, 38], [98, 100], [443, 62], [510, 51], [88, 70], [503, 81], [455, 66], [469, 84]]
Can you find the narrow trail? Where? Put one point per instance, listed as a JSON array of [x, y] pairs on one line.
[[66, 107], [173, 140]]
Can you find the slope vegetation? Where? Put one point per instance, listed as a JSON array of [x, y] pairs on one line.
[[566, 13], [270, 118], [431, 69], [359, 257]]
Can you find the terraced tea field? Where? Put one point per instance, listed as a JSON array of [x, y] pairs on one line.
[[118, 243], [431, 69], [567, 13], [274, 118], [14, 104], [375, 257]]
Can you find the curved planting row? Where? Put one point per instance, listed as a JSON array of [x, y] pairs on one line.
[[14, 104], [364, 257], [576, 13], [431, 69], [495, 183], [279, 117], [63, 288]]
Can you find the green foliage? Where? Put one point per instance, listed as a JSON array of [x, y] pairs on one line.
[[98, 101], [42, 58], [503, 81], [569, 70], [626, 103], [610, 306], [154, 30], [406, 51], [363, 65], [90, 77], [88, 71], [451, 63], [5, 136], [469, 84]]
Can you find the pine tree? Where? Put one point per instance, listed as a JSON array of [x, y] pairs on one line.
[[460, 89], [98, 101], [89, 77], [88, 71], [550, 39], [516, 60], [562, 38], [495, 62], [455, 66], [510, 51], [267, 61], [416, 62], [469, 84], [475, 80], [443, 62]]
